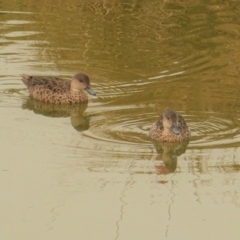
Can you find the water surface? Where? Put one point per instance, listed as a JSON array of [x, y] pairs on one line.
[[90, 171]]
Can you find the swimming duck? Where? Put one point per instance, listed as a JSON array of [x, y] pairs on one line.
[[57, 90], [170, 127]]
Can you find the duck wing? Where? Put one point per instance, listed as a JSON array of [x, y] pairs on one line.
[[51, 83], [181, 122]]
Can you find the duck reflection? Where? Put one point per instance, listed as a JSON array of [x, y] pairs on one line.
[[168, 153], [74, 111]]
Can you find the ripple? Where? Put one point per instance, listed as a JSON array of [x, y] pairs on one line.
[[20, 34], [17, 22], [126, 124], [128, 128], [214, 131], [16, 12], [167, 75], [134, 86]]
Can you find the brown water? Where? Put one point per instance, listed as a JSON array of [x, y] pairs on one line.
[[90, 172]]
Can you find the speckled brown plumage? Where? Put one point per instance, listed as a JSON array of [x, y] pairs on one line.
[[159, 133], [56, 90]]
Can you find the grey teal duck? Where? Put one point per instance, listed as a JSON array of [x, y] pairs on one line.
[[57, 90], [170, 127]]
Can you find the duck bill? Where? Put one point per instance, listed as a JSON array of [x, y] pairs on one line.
[[90, 91], [175, 129]]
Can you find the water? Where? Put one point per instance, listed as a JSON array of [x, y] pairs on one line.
[[90, 171]]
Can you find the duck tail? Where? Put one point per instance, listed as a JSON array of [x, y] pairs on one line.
[[25, 79]]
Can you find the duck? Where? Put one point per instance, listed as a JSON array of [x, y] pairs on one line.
[[170, 127], [57, 90]]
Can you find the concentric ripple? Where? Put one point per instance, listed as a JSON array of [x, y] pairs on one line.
[[214, 130], [127, 127], [120, 130]]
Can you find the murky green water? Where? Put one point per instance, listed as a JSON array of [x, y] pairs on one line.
[[90, 171]]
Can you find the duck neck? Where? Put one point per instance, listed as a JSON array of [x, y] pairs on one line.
[[74, 87], [75, 91], [167, 131]]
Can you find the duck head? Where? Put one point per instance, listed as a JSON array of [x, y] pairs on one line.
[[81, 82], [170, 121]]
